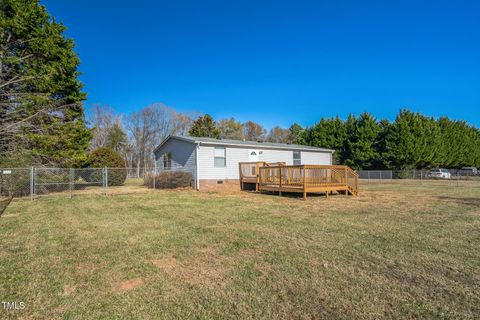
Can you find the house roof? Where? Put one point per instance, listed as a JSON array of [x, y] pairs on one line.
[[255, 144]]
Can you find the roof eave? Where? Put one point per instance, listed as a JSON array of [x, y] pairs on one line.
[[265, 146], [173, 137], [195, 141]]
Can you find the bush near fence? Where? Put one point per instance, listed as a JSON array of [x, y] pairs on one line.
[[105, 157], [116, 176], [168, 180]]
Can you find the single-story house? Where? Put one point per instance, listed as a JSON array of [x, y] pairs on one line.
[[214, 162]]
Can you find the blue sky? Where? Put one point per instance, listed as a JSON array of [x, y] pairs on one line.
[[279, 62]]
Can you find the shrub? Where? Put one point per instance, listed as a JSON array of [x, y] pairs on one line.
[[169, 180], [105, 157]]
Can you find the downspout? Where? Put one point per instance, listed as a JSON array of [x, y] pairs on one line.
[[197, 170]]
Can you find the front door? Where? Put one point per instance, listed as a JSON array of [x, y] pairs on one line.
[[253, 156]]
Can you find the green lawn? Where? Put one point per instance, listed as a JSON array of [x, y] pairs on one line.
[[398, 251]]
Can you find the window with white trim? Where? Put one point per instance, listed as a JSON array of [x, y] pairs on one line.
[[167, 160], [220, 159], [297, 158]]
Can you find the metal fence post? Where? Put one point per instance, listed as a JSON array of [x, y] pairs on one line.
[[32, 183], [154, 174], [71, 182], [105, 180]]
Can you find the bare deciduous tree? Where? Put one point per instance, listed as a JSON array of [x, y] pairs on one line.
[[231, 129], [253, 131], [148, 127], [103, 120], [279, 135]]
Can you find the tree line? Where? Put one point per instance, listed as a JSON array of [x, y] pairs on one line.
[[206, 126], [411, 141], [43, 122], [136, 135]]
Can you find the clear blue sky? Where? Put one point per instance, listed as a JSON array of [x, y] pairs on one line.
[[279, 62]]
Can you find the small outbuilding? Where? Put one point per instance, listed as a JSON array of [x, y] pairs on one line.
[[214, 163]]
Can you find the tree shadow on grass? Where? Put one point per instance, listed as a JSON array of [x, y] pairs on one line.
[[299, 195], [470, 201], [4, 204]]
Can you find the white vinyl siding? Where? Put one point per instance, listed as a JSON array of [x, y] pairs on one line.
[[275, 155], [207, 169], [309, 157], [234, 155]]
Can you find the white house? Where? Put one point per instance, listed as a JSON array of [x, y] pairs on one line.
[[215, 161]]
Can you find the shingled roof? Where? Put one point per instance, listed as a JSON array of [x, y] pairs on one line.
[[254, 144]]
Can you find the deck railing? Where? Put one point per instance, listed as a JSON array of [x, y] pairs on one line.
[[250, 171], [308, 176]]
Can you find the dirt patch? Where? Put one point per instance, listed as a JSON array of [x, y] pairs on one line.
[[68, 290], [204, 268], [89, 268], [168, 263], [128, 285]]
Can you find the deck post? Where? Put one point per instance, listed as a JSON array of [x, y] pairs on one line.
[[280, 182], [257, 173], [240, 176], [304, 183]]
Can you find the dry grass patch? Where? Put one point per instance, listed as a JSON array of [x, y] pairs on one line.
[[203, 268], [168, 264], [399, 250], [128, 285]]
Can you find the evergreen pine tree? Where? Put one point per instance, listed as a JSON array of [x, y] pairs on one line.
[[361, 150], [40, 94], [204, 126]]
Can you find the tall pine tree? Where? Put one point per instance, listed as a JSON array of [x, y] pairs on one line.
[[204, 126], [42, 115], [361, 147], [328, 133]]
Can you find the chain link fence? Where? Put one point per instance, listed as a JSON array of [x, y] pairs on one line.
[[39, 182], [386, 175], [15, 182]]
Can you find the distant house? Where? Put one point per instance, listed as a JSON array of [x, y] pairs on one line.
[[214, 162]]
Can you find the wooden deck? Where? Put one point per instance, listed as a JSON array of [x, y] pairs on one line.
[[299, 178], [249, 172]]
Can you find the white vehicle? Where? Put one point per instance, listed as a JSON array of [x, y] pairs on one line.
[[439, 174]]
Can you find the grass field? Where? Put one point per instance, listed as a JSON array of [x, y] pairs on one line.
[[400, 250]]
